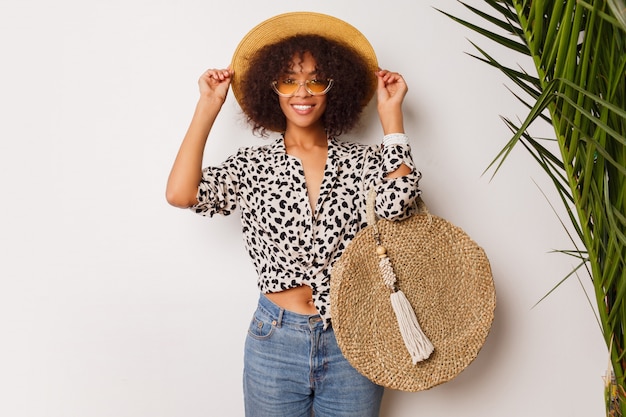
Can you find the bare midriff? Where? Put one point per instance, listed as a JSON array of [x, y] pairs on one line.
[[298, 300]]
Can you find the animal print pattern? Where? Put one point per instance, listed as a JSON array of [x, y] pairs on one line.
[[289, 244]]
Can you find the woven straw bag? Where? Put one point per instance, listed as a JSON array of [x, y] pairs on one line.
[[446, 278]]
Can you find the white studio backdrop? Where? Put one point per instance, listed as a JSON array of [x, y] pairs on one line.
[[114, 304]]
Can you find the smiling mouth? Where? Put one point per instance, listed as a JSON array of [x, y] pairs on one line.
[[302, 107]]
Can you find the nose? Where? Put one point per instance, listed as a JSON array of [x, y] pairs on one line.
[[301, 91]]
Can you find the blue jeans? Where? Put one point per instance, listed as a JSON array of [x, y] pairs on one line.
[[293, 367]]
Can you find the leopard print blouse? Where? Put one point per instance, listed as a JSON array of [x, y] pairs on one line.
[[289, 245]]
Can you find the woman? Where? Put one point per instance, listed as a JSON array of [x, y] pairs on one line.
[[301, 198]]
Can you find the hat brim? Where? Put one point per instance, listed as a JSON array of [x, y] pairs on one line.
[[286, 25]]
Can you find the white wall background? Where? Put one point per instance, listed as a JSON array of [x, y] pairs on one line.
[[113, 304]]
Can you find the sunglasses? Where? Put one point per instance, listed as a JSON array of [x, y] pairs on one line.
[[289, 87]]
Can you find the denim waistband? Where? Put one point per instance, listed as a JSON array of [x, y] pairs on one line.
[[289, 317]]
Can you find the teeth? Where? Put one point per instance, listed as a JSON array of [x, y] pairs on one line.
[[301, 107]]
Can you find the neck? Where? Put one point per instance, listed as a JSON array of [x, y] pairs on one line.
[[309, 137]]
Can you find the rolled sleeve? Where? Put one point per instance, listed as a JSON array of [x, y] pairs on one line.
[[394, 156], [217, 191], [396, 198]]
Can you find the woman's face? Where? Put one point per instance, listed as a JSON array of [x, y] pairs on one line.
[[303, 110]]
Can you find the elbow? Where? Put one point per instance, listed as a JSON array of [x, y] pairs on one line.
[[180, 200]]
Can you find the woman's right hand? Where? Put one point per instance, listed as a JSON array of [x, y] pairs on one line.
[[214, 83], [186, 173]]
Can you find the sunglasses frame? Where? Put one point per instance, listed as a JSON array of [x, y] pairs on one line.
[[306, 87]]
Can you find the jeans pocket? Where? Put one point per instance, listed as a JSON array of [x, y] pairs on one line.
[[260, 329]]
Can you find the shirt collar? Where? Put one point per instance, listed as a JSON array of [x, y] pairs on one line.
[[278, 147]]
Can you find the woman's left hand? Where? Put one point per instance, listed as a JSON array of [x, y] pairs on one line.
[[390, 93], [391, 87]]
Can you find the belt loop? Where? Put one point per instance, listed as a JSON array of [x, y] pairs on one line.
[[279, 321]]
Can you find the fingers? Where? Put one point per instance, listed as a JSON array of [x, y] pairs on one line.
[[218, 75], [389, 77], [215, 83]]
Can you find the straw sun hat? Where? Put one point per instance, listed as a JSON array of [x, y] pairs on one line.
[[447, 279], [286, 25]]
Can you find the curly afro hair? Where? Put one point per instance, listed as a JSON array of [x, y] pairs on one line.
[[345, 100]]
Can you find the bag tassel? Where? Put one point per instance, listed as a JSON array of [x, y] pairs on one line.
[[416, 342]]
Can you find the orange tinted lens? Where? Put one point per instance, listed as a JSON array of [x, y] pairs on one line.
[[286, 87], [317, 86]]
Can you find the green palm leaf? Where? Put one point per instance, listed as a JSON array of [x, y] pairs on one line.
[[578, 85]]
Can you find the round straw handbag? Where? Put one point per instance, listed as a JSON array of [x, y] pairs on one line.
[[440, 274]]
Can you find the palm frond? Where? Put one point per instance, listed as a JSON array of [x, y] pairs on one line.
[[578, 84]]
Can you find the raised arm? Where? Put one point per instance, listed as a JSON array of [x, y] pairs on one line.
[[390, 94], [182, 184]]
